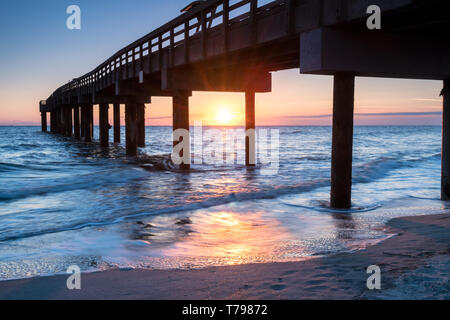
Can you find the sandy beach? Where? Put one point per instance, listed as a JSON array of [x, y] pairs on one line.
[[413, 266]]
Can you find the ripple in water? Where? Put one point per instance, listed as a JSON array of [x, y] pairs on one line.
[[65, 203]]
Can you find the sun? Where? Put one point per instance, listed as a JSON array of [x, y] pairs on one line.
[[224, 116]]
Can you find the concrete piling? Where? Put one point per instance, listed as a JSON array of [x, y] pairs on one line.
[[140, 113], [342, 149], [58, 121], [76, 122], [250, 126], [44, 121], [69, 123], [250, 51], [181, 121], [116, 123], [131, 129], [91, 120], [52, 122], [87, 112], [104, 125], [445, 173], [82, 121]]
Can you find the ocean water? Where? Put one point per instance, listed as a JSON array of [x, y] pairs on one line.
[[66, 203]]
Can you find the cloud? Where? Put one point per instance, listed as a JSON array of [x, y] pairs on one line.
[[19, 123], [428, 100], [384, 114], [159, 118]]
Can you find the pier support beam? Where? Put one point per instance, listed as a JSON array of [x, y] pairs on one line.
[[445, 179], [250, 133], [116, 123], [76, 122], [131, 129], [181, 121], [140, 113], [341, 163], [104, 125], [44, 121]]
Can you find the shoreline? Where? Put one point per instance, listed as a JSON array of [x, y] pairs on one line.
[[418, 241]]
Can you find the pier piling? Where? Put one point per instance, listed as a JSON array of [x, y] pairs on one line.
[[52, 122], [140, 113], [181, 121], [87, 110], [44, 121], [91, 120], [445, 173], [82, 121], [104, 124], [58, 121], [250, 125], [131, 129], [76, 122], [342, 150], [63, 121], [116, 123], [239, 56], [69, 124]]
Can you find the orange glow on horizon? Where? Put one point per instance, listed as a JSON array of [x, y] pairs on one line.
[[295, 100]]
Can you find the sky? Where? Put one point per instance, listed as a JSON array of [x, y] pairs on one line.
[[38, 54]]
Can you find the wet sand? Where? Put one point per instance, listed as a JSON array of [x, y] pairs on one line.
[[413, 265]]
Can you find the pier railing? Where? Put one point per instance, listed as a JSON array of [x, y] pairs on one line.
[[194, 24]]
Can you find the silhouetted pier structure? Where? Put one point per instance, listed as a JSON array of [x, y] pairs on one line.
[[232, 46]]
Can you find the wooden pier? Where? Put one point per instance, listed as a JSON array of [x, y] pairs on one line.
[[233, 46]]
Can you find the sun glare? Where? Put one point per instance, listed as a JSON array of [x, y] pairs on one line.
[[224, 116]]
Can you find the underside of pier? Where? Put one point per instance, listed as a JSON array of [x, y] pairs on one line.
[[221, 47]]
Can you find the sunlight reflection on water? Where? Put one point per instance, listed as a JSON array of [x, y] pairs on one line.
[[65, 203]]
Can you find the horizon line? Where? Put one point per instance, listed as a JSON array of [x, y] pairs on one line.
[[274, 125]]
